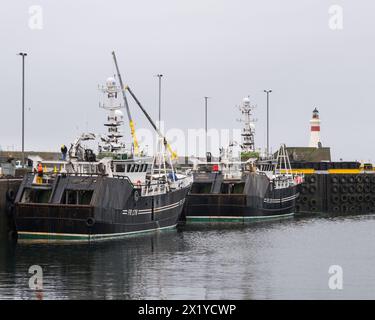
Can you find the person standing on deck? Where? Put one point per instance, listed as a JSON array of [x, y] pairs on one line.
[[64, 151]]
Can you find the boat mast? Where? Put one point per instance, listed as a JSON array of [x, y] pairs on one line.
[[248, 131], [131, 123], [115, 117]]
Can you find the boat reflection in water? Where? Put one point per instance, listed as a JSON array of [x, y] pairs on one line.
[[97, 270]]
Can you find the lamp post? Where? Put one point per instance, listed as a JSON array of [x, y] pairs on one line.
[[159, 76], [205, 120], [268, 122], [23, 54]]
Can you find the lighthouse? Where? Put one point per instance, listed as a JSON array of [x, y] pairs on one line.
[[315, 130]]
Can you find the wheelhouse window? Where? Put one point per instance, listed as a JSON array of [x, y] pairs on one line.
[[36, 195], [232, 188], [80, 197], [201, 188]]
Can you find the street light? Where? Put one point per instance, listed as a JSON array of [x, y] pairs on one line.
[[159, 76], [23, 54], [205, 121], [268, 122]]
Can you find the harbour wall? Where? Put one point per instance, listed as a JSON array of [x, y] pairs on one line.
[[337, 194], [6, 221]]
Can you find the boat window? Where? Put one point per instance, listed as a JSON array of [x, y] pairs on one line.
[[201, 188], [82, 197], [225, 188], [238, 188], [36, 195], [230, 188], [120, 168], [69, 197]]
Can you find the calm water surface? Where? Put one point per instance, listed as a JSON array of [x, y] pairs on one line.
[[282, 260]]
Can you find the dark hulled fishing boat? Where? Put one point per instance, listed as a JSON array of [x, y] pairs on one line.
[[231, 190], [85, 198]]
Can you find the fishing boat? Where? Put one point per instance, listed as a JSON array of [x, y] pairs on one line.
[[109, 194], [243, 189]]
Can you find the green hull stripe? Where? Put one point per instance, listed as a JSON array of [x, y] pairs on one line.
[[24, 235], [236, 219]]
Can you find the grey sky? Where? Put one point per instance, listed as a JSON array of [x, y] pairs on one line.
[[224, 49]]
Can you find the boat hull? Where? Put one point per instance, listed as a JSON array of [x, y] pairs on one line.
[[113, 213], [258, 202]]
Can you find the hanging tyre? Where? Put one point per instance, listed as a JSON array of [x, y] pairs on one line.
[[13, 235], [10, 195], [344, 208], [90, 222], [334, 179], [342, 180], [344, 198], [335, 189], [335, 199]]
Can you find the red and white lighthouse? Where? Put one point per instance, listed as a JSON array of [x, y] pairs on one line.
[[315, 130]]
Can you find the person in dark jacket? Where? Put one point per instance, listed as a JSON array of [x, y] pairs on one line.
[[64, 151]]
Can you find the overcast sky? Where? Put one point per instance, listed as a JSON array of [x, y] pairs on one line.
[[222, 49]]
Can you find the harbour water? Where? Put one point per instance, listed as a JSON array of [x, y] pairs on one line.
[[281, 260]]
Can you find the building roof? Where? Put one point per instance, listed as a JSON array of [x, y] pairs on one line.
[[309, 154]]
